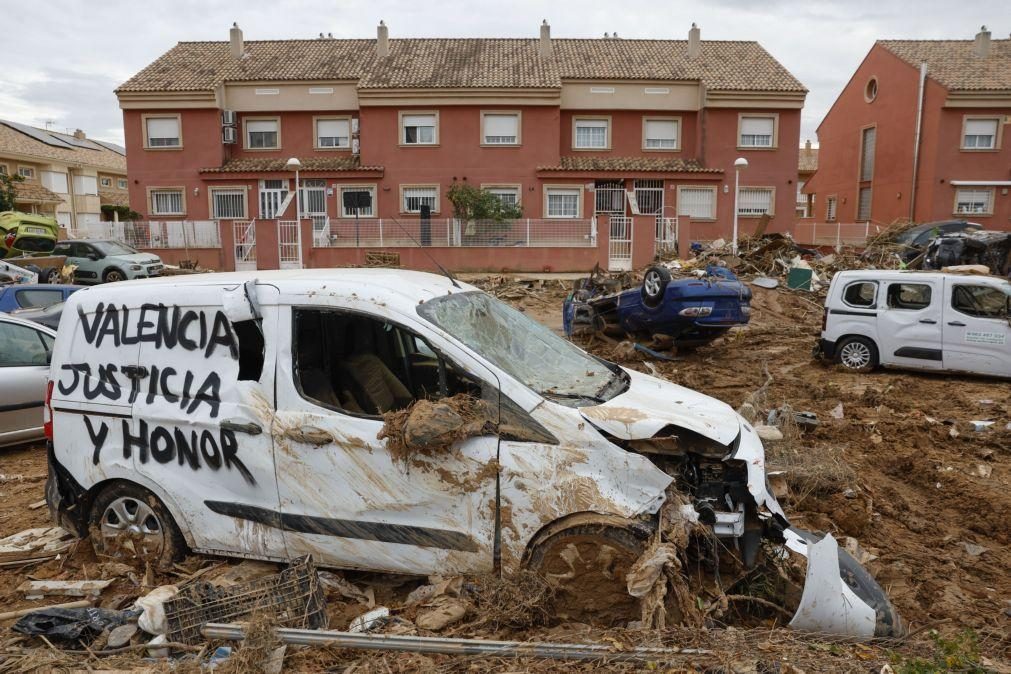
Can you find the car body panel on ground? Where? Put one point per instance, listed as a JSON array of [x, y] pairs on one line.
[[25, 349]]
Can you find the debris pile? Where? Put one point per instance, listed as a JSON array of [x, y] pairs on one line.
[[426, 427]]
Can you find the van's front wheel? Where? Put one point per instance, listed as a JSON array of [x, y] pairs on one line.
[[129, 522], [858, 354]]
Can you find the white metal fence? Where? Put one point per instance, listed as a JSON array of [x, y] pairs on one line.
[[289, 244], [154, 233], [836, 234], [410, 233], [619, 244], [666, 235]]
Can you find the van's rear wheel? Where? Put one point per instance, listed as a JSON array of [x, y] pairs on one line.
[[586, 565], [129, 522], [858, 354]]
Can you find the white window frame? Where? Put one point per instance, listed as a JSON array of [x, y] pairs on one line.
[[975, 192], [773, 141], [247, 137], [26, 172], [404, 115], [4, 169], [148, 145], [241, 190], [681, 201], [356, 188], [517, 138], [499, 190], [596, 119], [404, 196], [82, 185], [122, 183], [752, 213], [676, 147], [996, 138], [831, 204], [317, 137], [105, 182], [567, 191], [152, 192]]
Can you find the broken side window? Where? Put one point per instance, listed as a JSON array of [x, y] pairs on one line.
[[251, 348], [861, 294], [980, 301], [911, 296]]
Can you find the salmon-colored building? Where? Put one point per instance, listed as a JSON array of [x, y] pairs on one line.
[[639, 131], [918, 133]]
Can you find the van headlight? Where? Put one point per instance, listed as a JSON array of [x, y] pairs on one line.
[[135, 267], [696, 312]]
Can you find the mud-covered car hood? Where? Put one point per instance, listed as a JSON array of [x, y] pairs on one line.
[[650, 404]]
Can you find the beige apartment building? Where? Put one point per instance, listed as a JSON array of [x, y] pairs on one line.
[[68, 176]]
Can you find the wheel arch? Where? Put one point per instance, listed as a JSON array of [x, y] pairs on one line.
[[640, 528], [173, 508]]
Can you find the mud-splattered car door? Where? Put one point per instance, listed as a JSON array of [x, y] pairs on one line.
[[345, 497], [203, 414]]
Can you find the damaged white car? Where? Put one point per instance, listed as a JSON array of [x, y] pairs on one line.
[[403, 422]]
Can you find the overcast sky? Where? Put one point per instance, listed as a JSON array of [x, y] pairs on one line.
[[63, 58]]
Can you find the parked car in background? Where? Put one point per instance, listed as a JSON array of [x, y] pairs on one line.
[[26, 234], [693, 309], [28, 295], [48, 315], [107, 261], [25, 352], [916, 239], [918, 320]]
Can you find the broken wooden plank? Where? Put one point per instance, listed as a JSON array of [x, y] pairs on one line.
[[44, 542], [66, 588], [37, 505]]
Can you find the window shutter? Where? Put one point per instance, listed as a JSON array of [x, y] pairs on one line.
[[419, 120], [661, 129], [697, 202], [500, 125], [867, 154], [163, 127], [757, 126], [981, 127], [266, 125], [333, 128]]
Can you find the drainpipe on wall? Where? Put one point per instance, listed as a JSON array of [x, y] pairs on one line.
[[73, 200], [916, 141]]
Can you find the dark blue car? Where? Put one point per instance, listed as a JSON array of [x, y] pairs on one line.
[[29, 295], [693, 310]]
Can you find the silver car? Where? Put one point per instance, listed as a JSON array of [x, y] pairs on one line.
[[25, 351]]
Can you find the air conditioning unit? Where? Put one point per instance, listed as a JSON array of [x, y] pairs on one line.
[[228, 135], [229, 118], [355, 147], [354, 125]]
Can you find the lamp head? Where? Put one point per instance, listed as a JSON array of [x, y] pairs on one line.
[[740, 163], [293, 164]]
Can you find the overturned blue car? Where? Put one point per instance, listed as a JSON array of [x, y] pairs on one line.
[[692, 309]]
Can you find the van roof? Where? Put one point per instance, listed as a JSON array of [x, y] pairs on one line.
[[900, 274], [395, 286]]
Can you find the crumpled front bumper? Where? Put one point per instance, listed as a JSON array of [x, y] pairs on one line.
[[840, 596]]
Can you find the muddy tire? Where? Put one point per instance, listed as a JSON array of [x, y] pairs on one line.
[[654, 285], [857, 354], [129, 523], [586, 565]]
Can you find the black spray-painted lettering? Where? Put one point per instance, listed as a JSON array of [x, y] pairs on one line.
[[163, 326], [189, 397], [165, 445]]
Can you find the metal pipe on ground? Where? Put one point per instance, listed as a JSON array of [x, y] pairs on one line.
[[451, 646]]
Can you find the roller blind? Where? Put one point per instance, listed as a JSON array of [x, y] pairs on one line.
[[697, 202], [661, 129], [500, 128], [263, 125], [163, 127]]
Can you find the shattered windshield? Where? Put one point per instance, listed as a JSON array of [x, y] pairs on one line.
[[526, 349]]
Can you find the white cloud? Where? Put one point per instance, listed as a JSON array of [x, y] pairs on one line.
[[80, 51]]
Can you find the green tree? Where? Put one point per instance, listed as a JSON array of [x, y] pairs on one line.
[[483, 212], [7, 191]]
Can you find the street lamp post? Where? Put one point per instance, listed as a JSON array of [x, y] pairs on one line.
[[739, 163], [294, 165]]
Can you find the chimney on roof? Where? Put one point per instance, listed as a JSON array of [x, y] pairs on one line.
[[78, 134], [807, 144], [982, 45], [694, 42], [544, 46], [235, 38], [382, 40]]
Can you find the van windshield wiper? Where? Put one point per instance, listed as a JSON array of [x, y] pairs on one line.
[[572, 396]]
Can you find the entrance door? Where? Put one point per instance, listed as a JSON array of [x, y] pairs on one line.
[[272, 195], [909, 324], [976, 330], [289, 244], [619, 245], [345, 498], [245, 244], [314, 208]]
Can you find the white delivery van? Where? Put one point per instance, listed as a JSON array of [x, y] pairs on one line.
[[238, 415], [918, 320]]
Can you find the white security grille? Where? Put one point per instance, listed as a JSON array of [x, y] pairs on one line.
[[245, 245], [649, 196], [619, 244], [830, 209], [609, 197], [754, 201], [697, 202], [509, 196], [313, 197], [416, 197], [272, 195], [167, 202], [289, 244], [666, 235], [228, 204]]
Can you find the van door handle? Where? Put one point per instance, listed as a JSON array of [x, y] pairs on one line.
[[239, 427], [929, 321], [958, 324], [309, 434]]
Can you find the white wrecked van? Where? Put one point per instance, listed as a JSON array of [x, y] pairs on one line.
[[238, 415]]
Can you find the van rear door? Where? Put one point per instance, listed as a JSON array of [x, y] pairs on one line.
[[204, 413]]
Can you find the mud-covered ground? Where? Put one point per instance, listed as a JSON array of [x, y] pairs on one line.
[[894, 463]]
